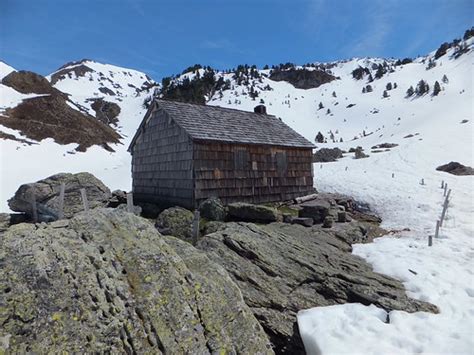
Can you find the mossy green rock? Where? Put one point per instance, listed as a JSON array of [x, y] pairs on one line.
[[107, 282], [176, 221]]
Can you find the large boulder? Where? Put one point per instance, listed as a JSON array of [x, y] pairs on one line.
[[318, 210], [47, 193], [456, 168], [247, 212], [176, 221], [108, 282], [282, 268], [212, 209], [325, 155]]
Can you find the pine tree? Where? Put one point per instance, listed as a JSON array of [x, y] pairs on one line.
[[385, 94], [321, 106], [370, 79], [388, 86], [445, 79], [394, 85], [410, 91], [436, 89], [368, 88], [363, 90], [334, 94], [319, 138], [328, 112]]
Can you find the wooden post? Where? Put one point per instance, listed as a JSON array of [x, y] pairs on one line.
[[437, 229], [393, 175], [422, 181], [61, 201], [442, 184], [130, 202], [85, 203], [34, 210], [430, 240], [445, 189], [445, 208], [197, 217]]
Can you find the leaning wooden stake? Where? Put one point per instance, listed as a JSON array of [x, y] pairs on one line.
[[61, 201], [437, 229], [85, 203], [130, 202], [445, 189], [197, 217], [34, 210], [445, 208]]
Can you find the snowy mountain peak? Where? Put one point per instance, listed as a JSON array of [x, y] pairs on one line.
[[5, 69]]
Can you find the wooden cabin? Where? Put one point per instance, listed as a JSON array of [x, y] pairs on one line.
[[185, 153]]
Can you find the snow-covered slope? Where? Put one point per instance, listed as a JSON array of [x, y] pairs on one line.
[[21, 162]]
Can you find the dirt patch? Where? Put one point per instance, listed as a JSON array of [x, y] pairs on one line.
[[51, 117]]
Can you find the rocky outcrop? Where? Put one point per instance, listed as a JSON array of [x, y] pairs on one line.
[[176, 221], [456, 168], [302, 78], [52, 116], [107, 282], [47, 193], [105, 111], [247, 212], [282, 268], [325, 155], [28, 82]]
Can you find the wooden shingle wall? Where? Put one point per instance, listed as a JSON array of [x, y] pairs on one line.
[[162, 160], [251, 173]]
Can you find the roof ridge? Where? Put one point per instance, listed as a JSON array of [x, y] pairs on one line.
[[212, 106]]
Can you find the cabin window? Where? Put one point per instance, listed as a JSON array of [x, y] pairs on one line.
[[241, 159], [281, 162]]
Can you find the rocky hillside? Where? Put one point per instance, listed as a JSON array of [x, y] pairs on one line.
[[106, 280]]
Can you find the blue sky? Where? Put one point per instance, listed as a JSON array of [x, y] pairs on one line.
[[164, 37]]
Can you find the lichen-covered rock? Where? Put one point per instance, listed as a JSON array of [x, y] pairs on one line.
[[176, 221], [212, 209], [107, 282], [47, 192], [282, 268], [247, 212]]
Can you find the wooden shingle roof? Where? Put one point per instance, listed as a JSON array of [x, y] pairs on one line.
[[212, 123]]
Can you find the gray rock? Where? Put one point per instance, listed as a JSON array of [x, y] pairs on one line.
[[316, 209], [287, 218], [110, 283], [306, 222], [4, 221], [137, 210], [456, 168], [282, 268], [341, 216], [176, 221], [247, 212], [359, 154], [212, 209], [46, 192], [328, 222]]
